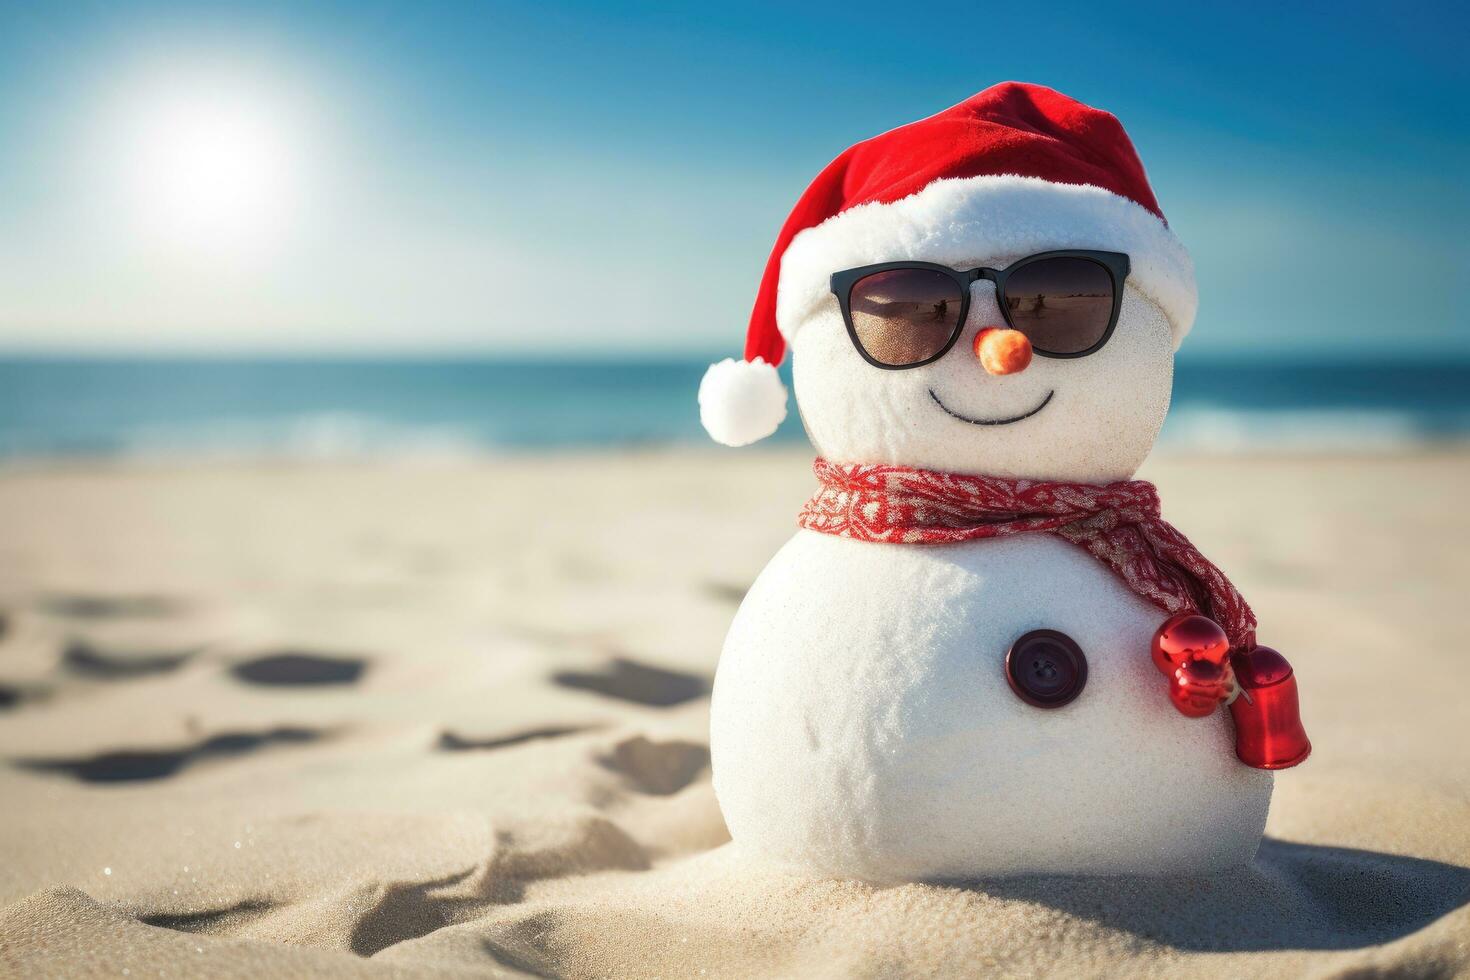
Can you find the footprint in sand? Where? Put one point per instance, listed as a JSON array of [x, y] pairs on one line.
[[111, 607], [450, 741], [218, 921], [631, 681], [87, 659], [141, 764], [299, 669], [726, 591], [658, 768]]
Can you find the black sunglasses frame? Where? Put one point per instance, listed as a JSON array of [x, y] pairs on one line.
[[1116, 263]]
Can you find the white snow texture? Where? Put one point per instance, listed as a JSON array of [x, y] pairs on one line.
[[863, 727]]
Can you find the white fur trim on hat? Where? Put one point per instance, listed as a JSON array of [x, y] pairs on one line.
[[741, 402], [970, 220]]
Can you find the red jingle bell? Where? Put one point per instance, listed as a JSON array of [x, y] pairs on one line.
[[1268, 721], [1198, 687], [1189, 636]]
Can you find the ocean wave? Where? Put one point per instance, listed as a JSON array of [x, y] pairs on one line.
[[1224, 430], [458, 409], [345, 436]]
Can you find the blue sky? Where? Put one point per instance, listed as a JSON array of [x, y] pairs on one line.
[[433, 178]]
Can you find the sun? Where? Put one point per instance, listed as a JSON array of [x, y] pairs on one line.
[[208, 165]]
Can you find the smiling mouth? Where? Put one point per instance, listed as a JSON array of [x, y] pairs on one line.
[[1015, 418]]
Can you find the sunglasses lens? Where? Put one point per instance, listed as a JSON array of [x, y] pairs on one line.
[[905, 316], [1062, 305]]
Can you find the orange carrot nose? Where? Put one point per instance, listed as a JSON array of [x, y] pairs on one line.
[[1002, 351]]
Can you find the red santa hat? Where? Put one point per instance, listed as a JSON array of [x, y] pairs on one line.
[[1014, 170]]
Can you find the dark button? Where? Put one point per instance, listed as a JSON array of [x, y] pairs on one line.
[[1046, 669]]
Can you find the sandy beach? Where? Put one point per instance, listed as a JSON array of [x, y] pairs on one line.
[[450, 719]]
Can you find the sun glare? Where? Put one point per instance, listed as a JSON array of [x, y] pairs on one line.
[[209, 166]]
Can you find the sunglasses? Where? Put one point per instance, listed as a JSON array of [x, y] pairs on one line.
[[908, 314]]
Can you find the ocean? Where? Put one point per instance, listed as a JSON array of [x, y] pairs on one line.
[[167, 408]]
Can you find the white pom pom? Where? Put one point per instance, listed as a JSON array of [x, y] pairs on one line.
[[741, 402]]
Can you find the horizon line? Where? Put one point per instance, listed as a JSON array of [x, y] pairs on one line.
[[1293, 354]]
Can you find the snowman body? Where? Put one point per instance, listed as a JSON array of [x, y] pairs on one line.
[[862, 724]]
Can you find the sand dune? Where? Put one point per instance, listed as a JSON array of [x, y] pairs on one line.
[[450, 720]]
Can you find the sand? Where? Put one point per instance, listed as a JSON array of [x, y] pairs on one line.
[[450, 719]]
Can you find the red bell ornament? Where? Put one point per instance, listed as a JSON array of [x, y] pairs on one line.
[[1187, 637], [1199, 687], [1268, 722]]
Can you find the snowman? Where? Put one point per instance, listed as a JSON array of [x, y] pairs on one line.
[[984, 653]]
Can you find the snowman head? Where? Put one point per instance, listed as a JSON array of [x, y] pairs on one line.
[[1019, 217]]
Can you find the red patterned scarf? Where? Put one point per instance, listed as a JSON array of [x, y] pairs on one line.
[[1117, 523]]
